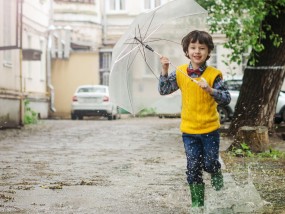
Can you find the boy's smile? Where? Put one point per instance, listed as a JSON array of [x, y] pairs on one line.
[[198, 54]]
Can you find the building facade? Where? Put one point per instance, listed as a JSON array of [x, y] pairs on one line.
[[11, 112], [119, 14], [76, 37], [50, 47], [22, 60], [34, 47]]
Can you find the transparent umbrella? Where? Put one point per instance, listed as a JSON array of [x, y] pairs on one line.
[[135, 68]]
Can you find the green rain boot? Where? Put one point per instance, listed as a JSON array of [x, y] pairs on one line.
[[217, 180], [197, 194]]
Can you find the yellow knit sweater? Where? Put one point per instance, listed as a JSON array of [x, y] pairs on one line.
[[199, 110]]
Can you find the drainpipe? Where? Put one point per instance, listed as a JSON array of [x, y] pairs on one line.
[[49, 52], [21, 105], [49, 85], [104, 22]]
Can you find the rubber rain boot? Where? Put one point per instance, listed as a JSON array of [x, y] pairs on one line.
[[197, 194], [217, 180]]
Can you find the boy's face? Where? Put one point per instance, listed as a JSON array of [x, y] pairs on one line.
[[198, 54]]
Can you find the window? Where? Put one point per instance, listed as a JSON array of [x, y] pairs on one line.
[[78, 1], [105, 63], [92, 90], [105, 60], [150, 4], [117, 5]]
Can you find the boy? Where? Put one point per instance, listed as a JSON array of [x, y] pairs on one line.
[[199, 116]]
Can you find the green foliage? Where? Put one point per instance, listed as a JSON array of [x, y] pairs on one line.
[[272, 153], [243, 23], [245, 151], [30, 116], [147, 112]]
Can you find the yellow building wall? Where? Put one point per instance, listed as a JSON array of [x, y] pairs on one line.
[[67, 74]]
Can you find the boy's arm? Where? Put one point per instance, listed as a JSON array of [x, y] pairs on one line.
[[220, 92], [167, 83]]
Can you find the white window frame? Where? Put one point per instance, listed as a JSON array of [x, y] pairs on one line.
[[152, 4], [119, 6], [106, 60], [105, 64]]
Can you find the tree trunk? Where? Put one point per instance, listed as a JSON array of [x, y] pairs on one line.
[[256, 137], [262, 83]]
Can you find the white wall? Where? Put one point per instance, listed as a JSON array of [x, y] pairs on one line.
[[35, 26]]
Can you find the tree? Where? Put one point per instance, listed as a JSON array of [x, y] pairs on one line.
[[257, 24]]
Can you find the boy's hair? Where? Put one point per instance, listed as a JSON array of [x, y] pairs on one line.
[[201, 36]]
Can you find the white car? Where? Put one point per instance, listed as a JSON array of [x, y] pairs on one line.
[[226, 112], [93, 100]]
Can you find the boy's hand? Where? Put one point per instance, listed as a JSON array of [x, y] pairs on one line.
[[165, 65], [205, 86]]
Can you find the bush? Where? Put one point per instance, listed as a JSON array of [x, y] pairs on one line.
[[30, 116]]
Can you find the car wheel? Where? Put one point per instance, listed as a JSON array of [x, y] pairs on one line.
[[118, 114], [283, 115], [73, 117], [223, 114], [110, 117]]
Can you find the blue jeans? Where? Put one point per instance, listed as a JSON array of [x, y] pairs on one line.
[[202, 153]]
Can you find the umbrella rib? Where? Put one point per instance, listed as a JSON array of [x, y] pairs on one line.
[[129, 92], [157, 39], [140, 38], [128, 83], [148, 65], [151, 20], [126, 54], [158, 54], [141, 51]]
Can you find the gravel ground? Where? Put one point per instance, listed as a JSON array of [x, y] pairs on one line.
[[131, 165], [94, 166]]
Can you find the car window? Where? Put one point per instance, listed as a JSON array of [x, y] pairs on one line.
[[92, 89], [233, 85]]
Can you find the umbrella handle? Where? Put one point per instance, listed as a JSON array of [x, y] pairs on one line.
[[192, 79]]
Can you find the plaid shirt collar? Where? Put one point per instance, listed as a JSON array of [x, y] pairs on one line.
[[201, 69]]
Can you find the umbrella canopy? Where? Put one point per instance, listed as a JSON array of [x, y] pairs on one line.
[[135, 69]]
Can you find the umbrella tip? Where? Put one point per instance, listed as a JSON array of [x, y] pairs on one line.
[[138, 40]]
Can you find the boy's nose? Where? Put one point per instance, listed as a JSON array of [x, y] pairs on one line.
[[197, 50]]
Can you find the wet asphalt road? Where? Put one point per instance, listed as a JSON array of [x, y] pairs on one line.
[[131, 165]]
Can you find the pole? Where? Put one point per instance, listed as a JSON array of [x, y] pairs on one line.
[[20, 20]]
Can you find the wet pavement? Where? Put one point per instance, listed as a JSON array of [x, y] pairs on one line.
[[131, 165]]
